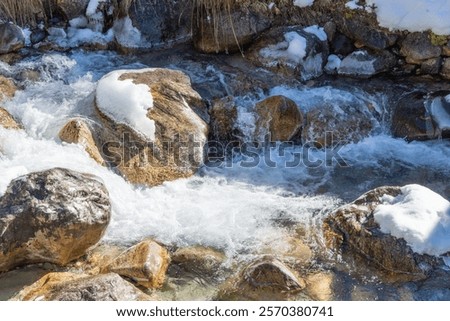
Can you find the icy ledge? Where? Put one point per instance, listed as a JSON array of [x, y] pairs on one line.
[[419, 216]]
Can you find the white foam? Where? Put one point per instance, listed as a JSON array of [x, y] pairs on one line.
[[418, 215]]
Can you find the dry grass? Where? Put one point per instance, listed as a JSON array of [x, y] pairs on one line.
[[22, 12]]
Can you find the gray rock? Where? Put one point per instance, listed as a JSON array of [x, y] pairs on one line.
[[11, 38], [445, 71], [37, 36], [417, 47], [71, 8], [51, 216], [362, 64], [431, 66], [342, 45]]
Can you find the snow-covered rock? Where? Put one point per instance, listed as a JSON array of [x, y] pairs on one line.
[[51, 216], [362, 64]]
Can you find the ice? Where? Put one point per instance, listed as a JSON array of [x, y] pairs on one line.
[[303, 3], [333, 64], [127, 35], [318, 31], [440, 114], [126, 102], [419, 216]]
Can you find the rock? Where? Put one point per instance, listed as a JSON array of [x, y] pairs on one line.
[[362, 64], [66, 286], [77, 131], [97, 259], [417, 47], [179, 118], [263, 280], [329, 125], [342, 45], [446, 49], [431, 66], [70, 8], [352, 228], [278, 116], [291, 250], [7, 88], [290, 51], [410, 119], [200, 260], [161, 21], [229, 30], [7, 121], [146, 263], [11, 38], [51, 216], [445, 71], [38, 35], [319, 286]]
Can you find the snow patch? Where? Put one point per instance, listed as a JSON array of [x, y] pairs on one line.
[[126, 102], [318, 31], [303, 3], [418, 215], [292, 49], [440, 113], [333, 64]]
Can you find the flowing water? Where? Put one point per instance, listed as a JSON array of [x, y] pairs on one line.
[[231, 208]]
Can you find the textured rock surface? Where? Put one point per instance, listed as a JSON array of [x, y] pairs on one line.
[[146, 263], [79, 287], [180, 134], [354, 229], [278, 116], [7, 121], [417, 47], [362, 64], [7, 88], [200, 260], [51, 216], [11, 38]]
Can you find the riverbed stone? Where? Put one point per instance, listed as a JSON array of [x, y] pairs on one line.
[[7, 88], [7, 121], [204, 261], [51, 216]]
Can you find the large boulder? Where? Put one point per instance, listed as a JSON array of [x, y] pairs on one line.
[[7, 121], [146, 263], [279, 117], [291, 51], [418, 46], [227, 29], [77, 131], [154, 124], [266, 278], [51, 216], [78, 287], [362, 64], [11, 38], [354, 229]]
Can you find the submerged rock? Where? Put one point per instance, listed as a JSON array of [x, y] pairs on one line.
[[51, 216], [146, 263], [11, 38], [79, 287], [279, 117], [352, 228], [155, 126]]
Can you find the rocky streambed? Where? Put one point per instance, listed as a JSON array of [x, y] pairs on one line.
[[313, 167]]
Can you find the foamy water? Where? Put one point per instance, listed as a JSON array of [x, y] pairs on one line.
[[232, 208]]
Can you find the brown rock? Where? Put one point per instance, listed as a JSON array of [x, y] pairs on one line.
[[79, 287], [198, 259], [352, 228], [319, 286], [77, 131], [278, 116], [53, 216], [290, 250], [146, 263], [180, 117], [7, 121], [7, 88]]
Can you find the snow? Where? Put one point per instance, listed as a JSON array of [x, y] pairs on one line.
[[125, 102], [440, 114], [92, 7], [413, 15], [353, 5], [127, 35], [318, 31], [292, 49], [418, 215], [333, 64], [303, 3], [79, 22]]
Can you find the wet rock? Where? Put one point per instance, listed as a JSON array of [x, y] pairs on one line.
[[417, 47], [291, 250], [7, 121], [7, 88], [431, 66], [264, 279], [353, 229], [161, 21], [362, 64], [319, 286], [146, 263], [445, 71], [199, 260], [38, 35], [411, 119], [279, 117], [180, 129], [223, 127], [290, 51], [329, 125], [229, 30], [77, 131], [51, 216], [97, 259], [66, 286], [11, 38]]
